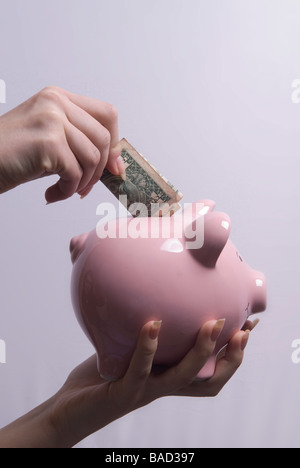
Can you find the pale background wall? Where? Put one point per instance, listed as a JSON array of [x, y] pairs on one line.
[[203, 89]]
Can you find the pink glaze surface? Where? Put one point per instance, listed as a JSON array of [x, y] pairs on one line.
[[120, 284]]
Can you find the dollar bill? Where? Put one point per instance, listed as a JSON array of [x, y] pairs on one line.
[[145, 192]]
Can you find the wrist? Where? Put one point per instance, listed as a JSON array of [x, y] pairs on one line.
[[33, 430]]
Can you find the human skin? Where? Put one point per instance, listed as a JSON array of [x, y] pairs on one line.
[[58, 132], [75, 137], [86, 403]]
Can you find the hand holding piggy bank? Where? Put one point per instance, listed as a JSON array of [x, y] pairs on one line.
[[182, 270]]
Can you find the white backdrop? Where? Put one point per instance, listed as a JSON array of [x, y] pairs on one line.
[[204, 90]]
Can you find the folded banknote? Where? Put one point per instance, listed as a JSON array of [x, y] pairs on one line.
[[145, 192]]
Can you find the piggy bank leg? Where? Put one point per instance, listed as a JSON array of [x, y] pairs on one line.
[[208, 370], [113, 367]]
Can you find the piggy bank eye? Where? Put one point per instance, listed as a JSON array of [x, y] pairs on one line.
[[239, 257]]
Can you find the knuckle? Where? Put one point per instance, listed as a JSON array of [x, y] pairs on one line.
[[49, 143], [51, 93], [148, 351], [49, 118], [75, 172], [45, 146], [106, 139], [112, 113], [49, 150], [93, 158], [47, 110]]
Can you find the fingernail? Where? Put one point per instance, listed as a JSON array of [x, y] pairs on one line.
[[121, 167], [154, 330], [217, 329], [84, 193], [245, 340], [255, 323]]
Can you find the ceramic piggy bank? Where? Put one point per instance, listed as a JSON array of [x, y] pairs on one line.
[[182, 270]]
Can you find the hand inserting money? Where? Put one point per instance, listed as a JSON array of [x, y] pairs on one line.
[[144, 192], [75, 137]]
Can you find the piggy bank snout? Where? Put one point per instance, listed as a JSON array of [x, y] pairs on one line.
[[76, 246], [259, 303]]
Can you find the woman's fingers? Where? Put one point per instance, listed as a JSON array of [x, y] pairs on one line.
[[85, 127], [107, 115], [182, 375], [140, 386], [103, 112], [67, 167], [140, 367], [64, 134], [89, 128], [86, 153], [229, 364], [225, 369], [249, 325]]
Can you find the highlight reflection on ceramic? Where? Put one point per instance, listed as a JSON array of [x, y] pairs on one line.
[[120, 284]]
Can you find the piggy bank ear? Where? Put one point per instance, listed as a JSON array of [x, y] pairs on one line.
[[76, 246], [215, 233], [192, 211]]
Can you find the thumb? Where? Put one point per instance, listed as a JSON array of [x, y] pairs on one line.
[[115, 163]]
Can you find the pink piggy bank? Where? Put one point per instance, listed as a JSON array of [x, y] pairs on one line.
[[182, 270]]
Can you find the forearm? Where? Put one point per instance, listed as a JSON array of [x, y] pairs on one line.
[[57, 424], [33, 430]]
